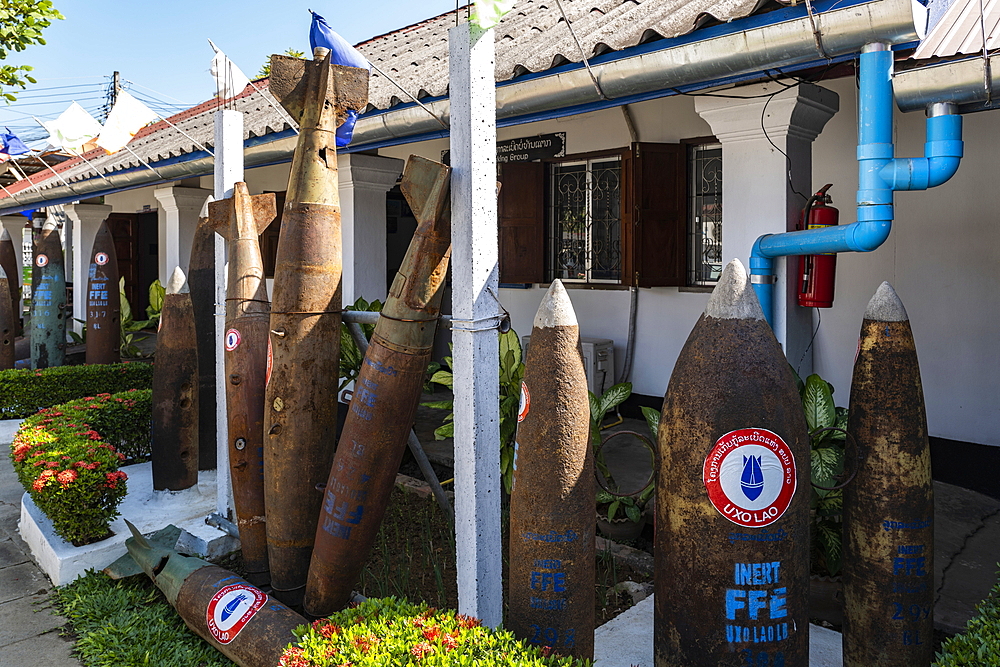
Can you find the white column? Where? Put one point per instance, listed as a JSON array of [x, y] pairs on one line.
[[364, 180], [86, 220], [228, 172], [757, 197], [14, 224], [179, 208], [476, 350]]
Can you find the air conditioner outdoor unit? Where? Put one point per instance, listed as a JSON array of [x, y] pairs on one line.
[[598, 362]]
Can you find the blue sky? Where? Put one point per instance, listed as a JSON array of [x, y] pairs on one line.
[[161, 51]]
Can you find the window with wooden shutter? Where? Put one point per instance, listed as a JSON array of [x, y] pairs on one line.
[[522, 222]]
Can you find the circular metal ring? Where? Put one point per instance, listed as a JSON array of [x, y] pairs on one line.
[[652, 474], [857, 465]]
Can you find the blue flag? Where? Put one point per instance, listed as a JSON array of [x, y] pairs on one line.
[[341, 53], [11, 145]]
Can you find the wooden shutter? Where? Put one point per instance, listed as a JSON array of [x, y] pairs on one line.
[[654, 215], [522, 222]]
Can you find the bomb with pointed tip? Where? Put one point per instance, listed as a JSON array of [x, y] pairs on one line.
[[175, 391], [8, 326], [12, 267], [238, 619], [301, 396], [385, 397], [240, 220], [48, 300], [201, 281], [551, 581], [103, 301], [889, 505], [732, 495]]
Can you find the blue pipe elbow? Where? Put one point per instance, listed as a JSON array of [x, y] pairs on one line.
[[943, 153]]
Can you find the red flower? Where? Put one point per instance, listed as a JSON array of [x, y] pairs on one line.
[[431, 634], [449, 642], [38, 484], [466, 622], [420, 650], [66, 477], [52, 464], [546, 651], [293, 657]]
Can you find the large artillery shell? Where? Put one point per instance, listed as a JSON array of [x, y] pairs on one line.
[[552, 555], [48, 301], [385, 398], [8, 326], [175, 392], [240, 220], [10, 265], [241, 621], [103, 301], [732, 510], [889, 506], [201, 279]]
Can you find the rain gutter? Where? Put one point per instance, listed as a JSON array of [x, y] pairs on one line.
[[958, 82]]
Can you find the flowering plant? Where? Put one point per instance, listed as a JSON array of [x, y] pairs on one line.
[[69, 470], [390, 631]]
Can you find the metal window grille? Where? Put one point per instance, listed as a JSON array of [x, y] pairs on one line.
[[705, 214], [585, 221]]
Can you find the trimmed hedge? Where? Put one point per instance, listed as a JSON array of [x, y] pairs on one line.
[[24, 392], [979, 645]]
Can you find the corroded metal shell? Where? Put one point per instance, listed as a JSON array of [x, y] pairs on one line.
[[48, 302], [10, 265], [8, 327], [201, 278], [103, 301], [889, 507]]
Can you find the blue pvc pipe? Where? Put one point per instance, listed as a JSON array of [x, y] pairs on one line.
[[880, 174]]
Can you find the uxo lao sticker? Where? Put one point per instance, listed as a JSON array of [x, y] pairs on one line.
[[525, 404], [101, 258], [42, 260], [270, 362], [231, 609], [750, 476], [233, 339]]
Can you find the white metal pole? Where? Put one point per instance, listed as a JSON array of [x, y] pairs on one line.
[[474, 321], [228, 171]]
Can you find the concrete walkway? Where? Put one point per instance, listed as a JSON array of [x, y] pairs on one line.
[[29, 633]]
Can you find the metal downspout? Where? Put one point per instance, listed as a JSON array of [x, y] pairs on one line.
[[879, 175]]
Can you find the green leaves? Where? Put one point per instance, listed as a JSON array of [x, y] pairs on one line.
[[21, 25], [652, 420], [351, 357], [817, 402]]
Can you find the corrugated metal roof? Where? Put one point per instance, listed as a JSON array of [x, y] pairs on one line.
[[960, 30]]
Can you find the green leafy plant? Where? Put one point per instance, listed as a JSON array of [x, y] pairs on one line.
[[265, 69], [79, 338], [68, 468], [979, 644], [350, 356], [511, 374], [23, 392], [390, 631], [21, 25]]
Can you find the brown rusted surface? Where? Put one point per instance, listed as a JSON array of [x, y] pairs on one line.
[[552, 556], [201, 279], [48, 302], [730, 375], [10, 266], [383, 406], [8, 327], [175, 397], [261, 641], [103, 301], [248, 315], [346, 87], [888, 509]]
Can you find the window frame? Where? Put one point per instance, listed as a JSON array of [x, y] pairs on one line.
[[691, 146]]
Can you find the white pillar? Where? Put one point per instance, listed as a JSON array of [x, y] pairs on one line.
[[364, 180], [757, 197], [14, 224], [228, 172], [86, 219], [474, 307], [179, 208]]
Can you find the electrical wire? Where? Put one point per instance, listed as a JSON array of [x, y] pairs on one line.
[[819, 321]]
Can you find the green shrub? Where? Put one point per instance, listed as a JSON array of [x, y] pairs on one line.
[[389, 631], [70, 470], [979, 645], [23, 392]]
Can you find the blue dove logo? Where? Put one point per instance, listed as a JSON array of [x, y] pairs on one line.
[[752, 480], [233, 605]]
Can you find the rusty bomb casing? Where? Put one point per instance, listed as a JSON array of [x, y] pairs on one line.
[[48, 301], [238, 619], [889, 506], [385, 397], [10, 266], [103, 301], [732, 495], [552, 555], [8, 326], [240, 220], [201, 281], [175, 392], [300, 417]]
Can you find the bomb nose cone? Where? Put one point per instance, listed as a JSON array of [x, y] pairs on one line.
[[177, 283], [3, 274], [733, 297], [5, 235], [885, 306], [48, 226], [556, 310], [204, 209]]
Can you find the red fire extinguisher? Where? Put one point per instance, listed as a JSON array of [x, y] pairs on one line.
[[817, 272]]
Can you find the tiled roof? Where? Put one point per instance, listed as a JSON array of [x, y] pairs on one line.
[[960, 30]]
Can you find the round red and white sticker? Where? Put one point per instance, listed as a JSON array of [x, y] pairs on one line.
[[750, 476], [270, 360], [233, 339], [231, 609], [42, 260], [101, 258], [525, 405]]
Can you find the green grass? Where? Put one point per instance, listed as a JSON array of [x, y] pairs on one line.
[[129, 623]]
